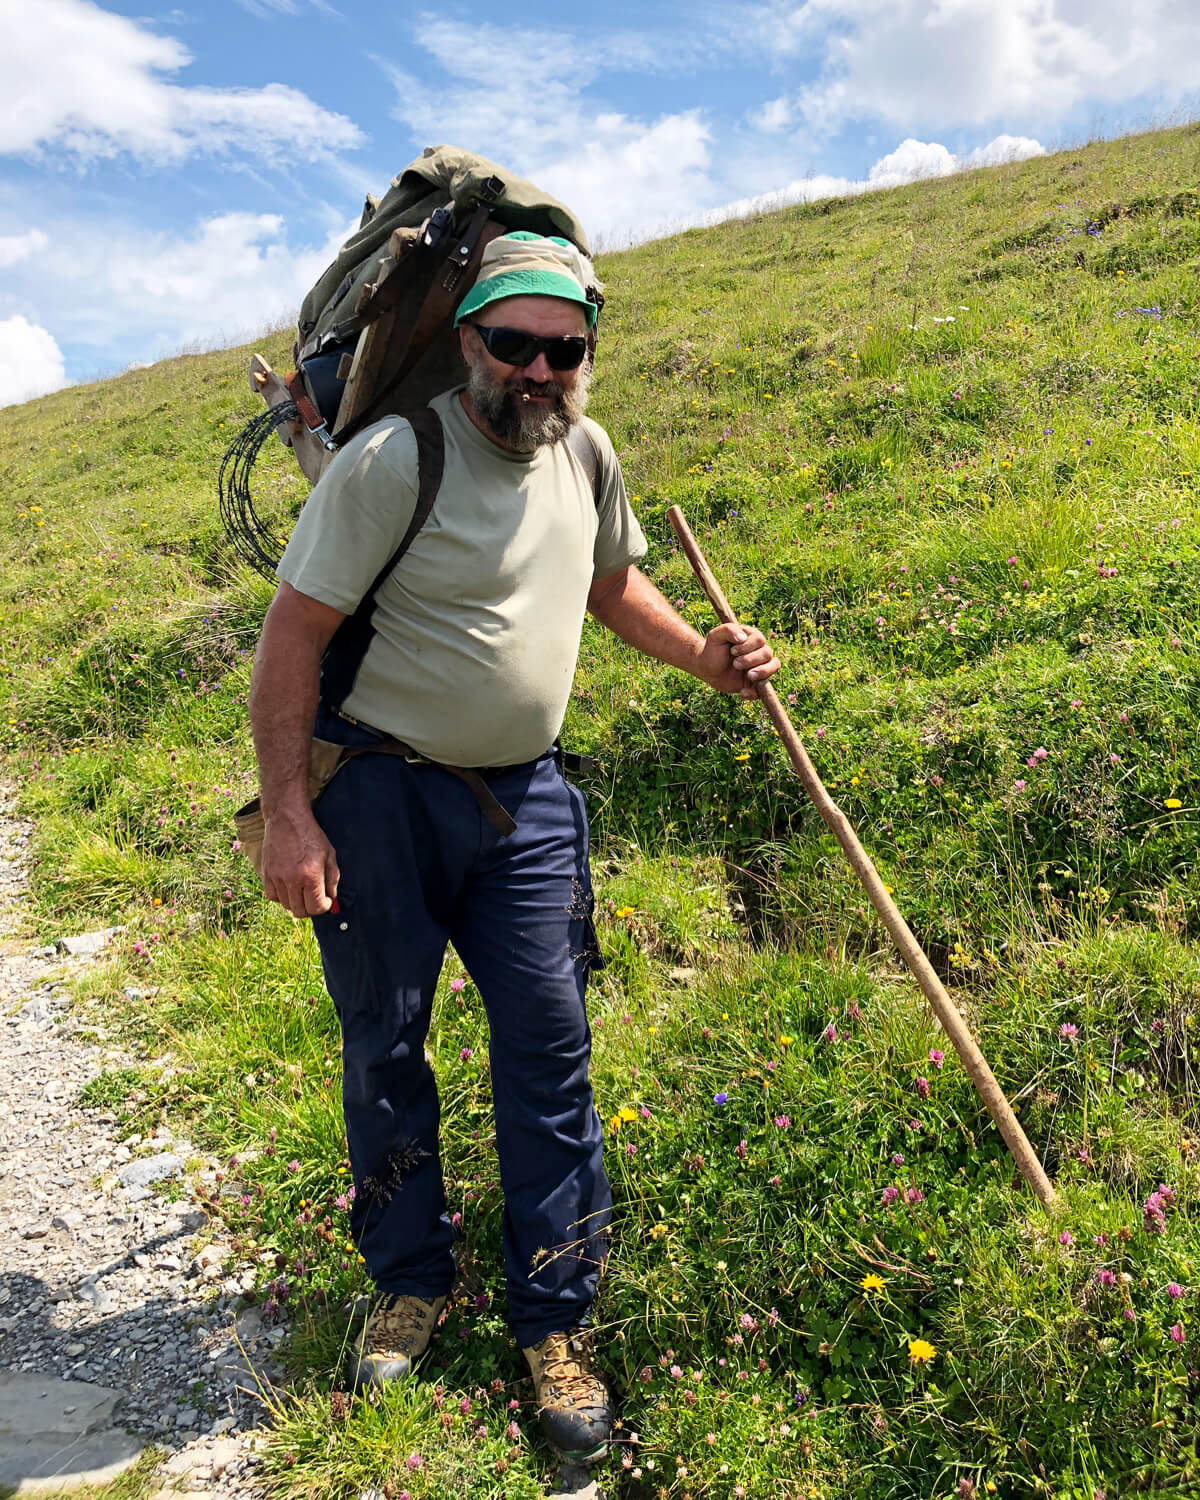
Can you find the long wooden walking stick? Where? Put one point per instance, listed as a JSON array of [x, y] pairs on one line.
[[910, 950]]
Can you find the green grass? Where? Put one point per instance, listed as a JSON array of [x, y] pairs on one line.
[[974, 541]]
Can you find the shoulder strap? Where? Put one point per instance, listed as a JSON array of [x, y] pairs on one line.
[[352, 639], [579, 440]]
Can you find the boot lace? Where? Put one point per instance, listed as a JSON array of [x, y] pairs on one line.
[[565, 1367], [399, 1323]]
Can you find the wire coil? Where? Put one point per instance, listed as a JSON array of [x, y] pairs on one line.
[[254, 541]]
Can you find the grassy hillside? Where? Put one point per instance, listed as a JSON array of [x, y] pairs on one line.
[[943, 443]]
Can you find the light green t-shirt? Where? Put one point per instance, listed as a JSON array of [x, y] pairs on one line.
[[478, 626]]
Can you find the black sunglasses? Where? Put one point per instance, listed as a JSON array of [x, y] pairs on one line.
[[513, 346]]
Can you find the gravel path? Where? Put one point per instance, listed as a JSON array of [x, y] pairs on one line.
[[111, 1273]]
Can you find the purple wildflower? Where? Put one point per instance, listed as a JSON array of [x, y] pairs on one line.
[[890, 1194], [936, 1056]]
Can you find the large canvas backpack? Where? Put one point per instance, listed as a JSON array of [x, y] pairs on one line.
[[403, 274]]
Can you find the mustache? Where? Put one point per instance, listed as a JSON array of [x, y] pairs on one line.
[[527, 388]]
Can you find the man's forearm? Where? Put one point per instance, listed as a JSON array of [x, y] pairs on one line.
[[283, 706], [637, 612]]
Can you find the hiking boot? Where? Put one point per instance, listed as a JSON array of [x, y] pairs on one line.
[[574, 1406], [393, 1338]]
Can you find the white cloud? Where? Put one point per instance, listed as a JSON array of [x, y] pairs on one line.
[[911, 161], [773, 116], [149, 294], [31, 363], [998, 152], [939, 64], [91, 84], [15, 248]]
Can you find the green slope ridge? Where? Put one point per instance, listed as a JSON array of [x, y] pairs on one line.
[[942, 442]]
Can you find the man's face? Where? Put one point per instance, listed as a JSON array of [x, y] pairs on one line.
[[525, 407]]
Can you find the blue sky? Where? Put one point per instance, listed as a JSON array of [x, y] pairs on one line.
[[176, 177]]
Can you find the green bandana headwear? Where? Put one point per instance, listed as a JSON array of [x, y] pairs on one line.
[[522, 264]]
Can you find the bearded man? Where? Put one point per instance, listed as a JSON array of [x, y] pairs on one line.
[[462, 827]]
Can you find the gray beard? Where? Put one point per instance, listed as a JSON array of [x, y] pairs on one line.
[[520, 424]]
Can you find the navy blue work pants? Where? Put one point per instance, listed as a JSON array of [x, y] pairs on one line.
[[420, 867]]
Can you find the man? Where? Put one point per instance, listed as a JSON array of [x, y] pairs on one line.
[[477, 631]]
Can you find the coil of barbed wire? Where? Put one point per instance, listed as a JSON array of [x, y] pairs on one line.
[[254, 541]]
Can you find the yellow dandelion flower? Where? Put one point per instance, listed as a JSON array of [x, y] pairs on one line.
[[614, 1124], [786, 1041], [627, 1115], [920, 1351], [872, 1283], [1172, 803], [745, 755], [624, 911]]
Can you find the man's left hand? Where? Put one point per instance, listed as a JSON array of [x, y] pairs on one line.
[[734, 658]]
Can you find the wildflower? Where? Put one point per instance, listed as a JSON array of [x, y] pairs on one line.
[[897, 1158], [1174, 1290], [740, 1150], [920, 1351], [414, 1461], [1019, 785], [1106, 1277], [890, 1194], [1066, 1238], [1012, 562], [830, 1033], [456, 985], [915, 1195], [914, 1126], [293, 1166], [1041, 753], [464, 1054], [745, 755], [872, 1283], [623, 911], [783, 1122], [923, 1087], [936, 1056], [1172, 803], [786, 1041], [1068, 1031], [1154, 1210], [1176, 1332], [721, 1098]]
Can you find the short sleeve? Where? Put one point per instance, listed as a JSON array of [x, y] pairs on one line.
[[619, 539], [355, 517]]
